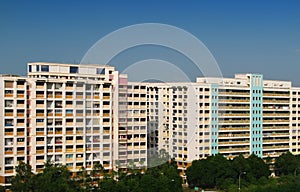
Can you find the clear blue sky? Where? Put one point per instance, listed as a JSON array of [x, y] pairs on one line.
[[244, 36]]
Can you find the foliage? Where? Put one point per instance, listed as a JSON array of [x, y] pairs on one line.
[[218, 172], [23, 181], [287, 164], [57, 178]]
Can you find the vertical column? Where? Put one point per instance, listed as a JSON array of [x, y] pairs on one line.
[[256, 118], [214, 128]]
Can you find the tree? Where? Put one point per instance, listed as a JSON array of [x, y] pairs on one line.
[[258, 168], [2, 188], [22, 182], [209, 173], [84, 179], [286, 164], [55, 178]]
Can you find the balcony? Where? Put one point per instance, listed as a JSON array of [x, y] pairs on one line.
[[58, 114], [40, 114], [234, 100], [39, 151], [40, 96], [50, 150], [275, 141], [69, 96], [234, 114], [69, 114], [277, 94], [40, 142], [10, 171], [59, 150], [79, 158], [240, 149], [275, 147], [20, 95], [234, 93], [20, 133], [9, 114], [8, 95], [69, 88], [20, 105], [70, 151], [20, 86], [69, 124], [8, 152], [20, 152], [234, 143], [276, 114], [40, 133], [276, 101], [20, 114], [69, 132], [106, 123], [79, 114], [9, 133], [106, 97], [58, 96], [106, 114], [70, 141], [276, 121]]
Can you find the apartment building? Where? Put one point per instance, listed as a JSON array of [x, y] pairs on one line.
[[13, 129], [75, 115], [80, 115], [231, 116]]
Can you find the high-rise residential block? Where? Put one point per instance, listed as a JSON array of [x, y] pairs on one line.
[[80, 115]]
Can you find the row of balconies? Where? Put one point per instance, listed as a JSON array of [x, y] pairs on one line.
[[245, 93], [12, 133], [277, 94], [233, 121], [11, 95], [234, 114], [234, 100], [276, 121], [10, 151], [275, 147], [234, 107], [72, 87], [11, 114], [233, 143], [275, 101], [265, 128], [230, 135], [266, 141], [276, 114], [225, 129], [235, 149]]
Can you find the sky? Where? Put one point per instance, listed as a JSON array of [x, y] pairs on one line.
[[243, 36]]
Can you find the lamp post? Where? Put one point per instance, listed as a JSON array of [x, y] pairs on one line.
[[240, 179], [295, 172]]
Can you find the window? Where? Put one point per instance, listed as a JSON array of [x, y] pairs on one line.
[[45, 68], [37, 68], [29, 68], [100, 71], [73, 69]]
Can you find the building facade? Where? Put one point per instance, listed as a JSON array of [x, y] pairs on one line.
[[80, 115]]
